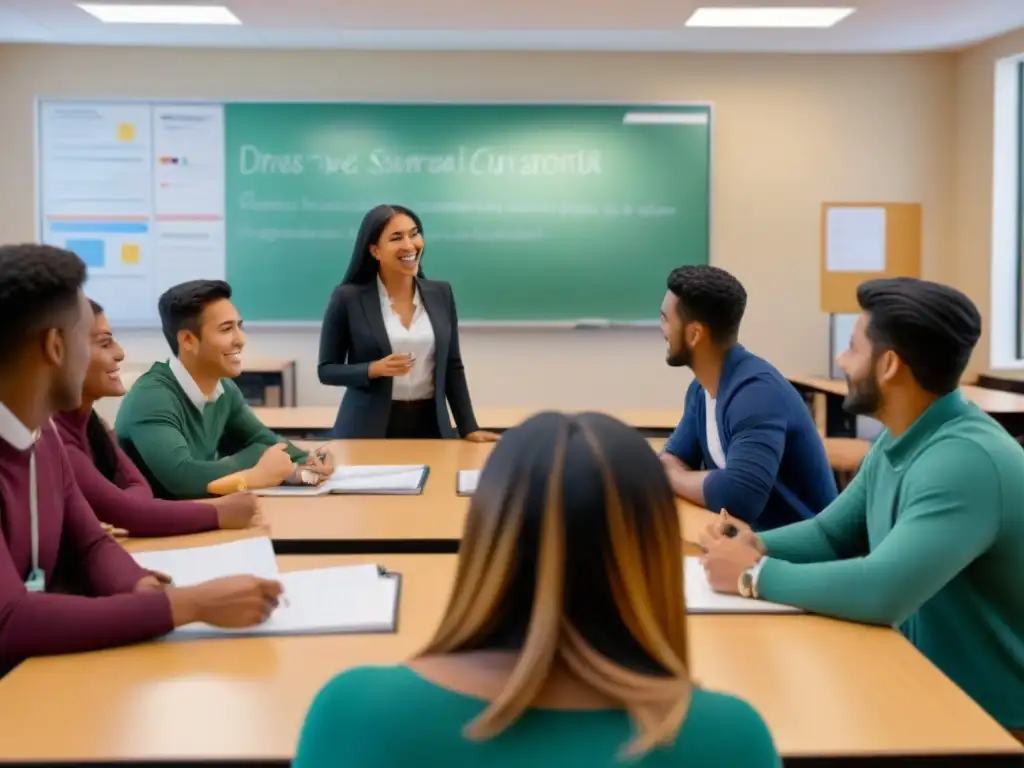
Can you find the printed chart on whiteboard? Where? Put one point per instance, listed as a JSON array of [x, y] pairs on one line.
[[137, 191]]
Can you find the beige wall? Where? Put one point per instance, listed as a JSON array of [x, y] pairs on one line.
[[791, 132]]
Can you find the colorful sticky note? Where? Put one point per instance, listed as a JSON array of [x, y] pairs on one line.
[[125, 132], [130, 253]]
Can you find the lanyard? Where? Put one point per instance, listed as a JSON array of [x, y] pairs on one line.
[[36, 578], [33, 504]]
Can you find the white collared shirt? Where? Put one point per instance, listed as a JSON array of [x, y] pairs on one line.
[[711, 431], [418, 339], [14, 432], [188, 384]]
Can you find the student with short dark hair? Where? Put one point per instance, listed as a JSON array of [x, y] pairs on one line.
[[185, 422], [564, 642], [929, 536], [65, 585], [747, 442], [115, 489]]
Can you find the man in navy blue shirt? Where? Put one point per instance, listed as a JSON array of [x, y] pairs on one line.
[[747, 443]]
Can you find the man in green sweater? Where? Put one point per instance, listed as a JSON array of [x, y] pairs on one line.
[[186, 424], [929, 536]]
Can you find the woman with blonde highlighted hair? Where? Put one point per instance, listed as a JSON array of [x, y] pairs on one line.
[[564, 641]]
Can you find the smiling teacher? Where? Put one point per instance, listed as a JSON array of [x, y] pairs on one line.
[[391, 338]]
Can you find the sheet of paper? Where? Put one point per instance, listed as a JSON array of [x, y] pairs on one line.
[[345, 599], [855, 239], [467, 480], [406, 477], [250, 557], [700, 598]]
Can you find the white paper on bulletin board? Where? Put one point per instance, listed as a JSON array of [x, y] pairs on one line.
[[855, 239]]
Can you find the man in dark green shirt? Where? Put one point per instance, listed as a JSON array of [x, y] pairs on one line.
[[929, 536], [186, 424]]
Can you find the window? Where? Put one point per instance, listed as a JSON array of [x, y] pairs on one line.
[[1006, 327]]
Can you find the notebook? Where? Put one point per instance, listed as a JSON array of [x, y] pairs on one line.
[[337, 600], [700, 598], [389, 479], [466, 480]]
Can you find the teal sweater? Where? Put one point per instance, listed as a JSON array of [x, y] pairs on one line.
[[386, 717], [181, 449], [929, 536]]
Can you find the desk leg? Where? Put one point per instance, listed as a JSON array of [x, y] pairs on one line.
[[838, 423]]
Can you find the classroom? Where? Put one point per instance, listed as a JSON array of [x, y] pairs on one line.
[[560, 161]]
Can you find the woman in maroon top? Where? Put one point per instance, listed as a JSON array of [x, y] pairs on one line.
[[110, 482]]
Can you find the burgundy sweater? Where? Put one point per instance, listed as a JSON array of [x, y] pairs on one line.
[[128, 502], [75, 553]]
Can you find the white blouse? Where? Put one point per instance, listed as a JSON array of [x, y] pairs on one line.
[[418, 339]]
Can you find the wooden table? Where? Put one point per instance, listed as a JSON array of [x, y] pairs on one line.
[[826, 688], [431, 522], [312, 422], [1005, 407]]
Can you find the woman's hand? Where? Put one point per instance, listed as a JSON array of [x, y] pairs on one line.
[[392, 365], [482, 436]]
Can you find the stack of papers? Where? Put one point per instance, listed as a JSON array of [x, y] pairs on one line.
[[700, 598], [390, 479], [339, 600], [466, 480]]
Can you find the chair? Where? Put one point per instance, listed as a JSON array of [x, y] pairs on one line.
[[845, 455]]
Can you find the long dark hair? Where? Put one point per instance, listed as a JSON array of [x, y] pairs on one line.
[[572, 553], [98, 435], [362, 267]]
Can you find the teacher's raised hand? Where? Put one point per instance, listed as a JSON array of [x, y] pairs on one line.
[[398, 364]]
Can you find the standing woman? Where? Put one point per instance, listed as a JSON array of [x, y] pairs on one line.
[[391, 338]]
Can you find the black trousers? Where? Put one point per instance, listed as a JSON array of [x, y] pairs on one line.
[[413, 420]]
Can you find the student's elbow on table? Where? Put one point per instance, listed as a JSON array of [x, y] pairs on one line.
[[742, 497]]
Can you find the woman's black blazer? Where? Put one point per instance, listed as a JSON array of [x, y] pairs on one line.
[[353, 335]]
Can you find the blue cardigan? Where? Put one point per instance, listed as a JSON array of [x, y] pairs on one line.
[[776, 469]]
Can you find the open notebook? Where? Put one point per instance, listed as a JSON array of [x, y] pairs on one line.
[[338, 600], [390, 479], [465, 481], [700, 598]]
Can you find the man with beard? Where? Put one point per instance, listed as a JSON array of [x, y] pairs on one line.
[[929, 536], [747, 443]]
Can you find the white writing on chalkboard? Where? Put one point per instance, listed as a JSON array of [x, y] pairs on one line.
[[481, 161]]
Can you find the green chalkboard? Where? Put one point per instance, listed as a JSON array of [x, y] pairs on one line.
[[531, 212]]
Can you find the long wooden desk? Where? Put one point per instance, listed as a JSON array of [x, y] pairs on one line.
[[827, 689], [431, 522], [1005, 407], [311, 422]]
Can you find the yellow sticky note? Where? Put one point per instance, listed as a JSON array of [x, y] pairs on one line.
[[125, 132], [130, 253]]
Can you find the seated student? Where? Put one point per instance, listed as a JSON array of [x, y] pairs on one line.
[[187, 425], [65, 585], [929, 536], [564, 642], [114, 488], [747, 442]]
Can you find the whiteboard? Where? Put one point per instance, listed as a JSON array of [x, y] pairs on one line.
[[137, 191]]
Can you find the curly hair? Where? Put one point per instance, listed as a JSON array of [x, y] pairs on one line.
[[711, 296], [38, 284]]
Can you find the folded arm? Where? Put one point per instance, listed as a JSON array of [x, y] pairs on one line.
[[334, 346], [949, 515], [244, 429], [838, 532]]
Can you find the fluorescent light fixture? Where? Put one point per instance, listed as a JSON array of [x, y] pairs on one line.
[[160, 14], [767, 17]]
